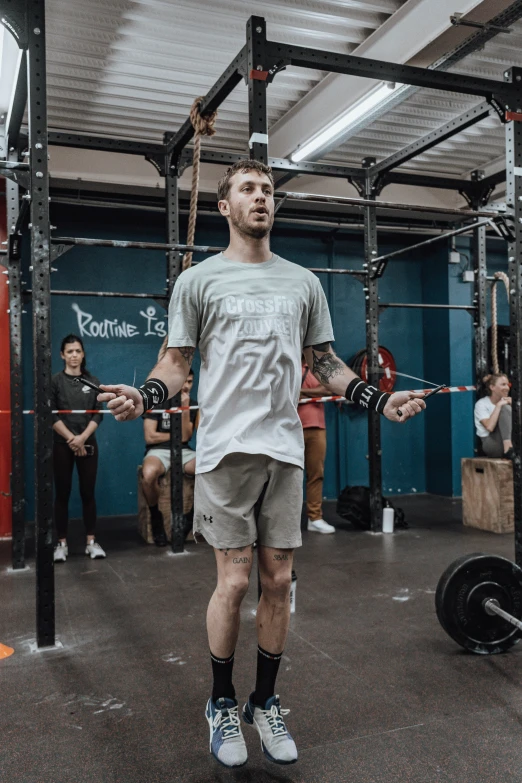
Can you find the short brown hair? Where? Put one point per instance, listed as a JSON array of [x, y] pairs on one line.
[[490, 380], [243, 166]]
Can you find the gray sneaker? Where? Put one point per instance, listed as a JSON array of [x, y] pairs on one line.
[[60, 552], [227, 743], [276, 741], [94, 550]]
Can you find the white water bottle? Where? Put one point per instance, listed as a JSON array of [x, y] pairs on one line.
[[388, 515]]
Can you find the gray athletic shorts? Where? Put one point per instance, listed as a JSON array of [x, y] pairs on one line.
[[164, 456], [224, 500]]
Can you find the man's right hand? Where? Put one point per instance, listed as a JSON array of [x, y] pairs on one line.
[[124, 402]]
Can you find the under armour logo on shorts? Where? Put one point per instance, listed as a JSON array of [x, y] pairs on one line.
[[207, 519]]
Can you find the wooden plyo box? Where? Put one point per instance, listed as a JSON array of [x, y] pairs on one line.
[[144, 528], [487, 494]]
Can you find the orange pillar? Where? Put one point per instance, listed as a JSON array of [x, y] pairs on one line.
[[5, 383]]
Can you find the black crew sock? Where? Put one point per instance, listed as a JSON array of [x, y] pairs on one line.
[[154, 511], [267, 668], [222, 673]]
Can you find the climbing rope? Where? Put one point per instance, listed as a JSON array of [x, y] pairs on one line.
[[494, 340], [203, 126]]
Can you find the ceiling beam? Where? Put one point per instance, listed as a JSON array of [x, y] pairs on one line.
[[446, 131], [103, 143], [222, 88]]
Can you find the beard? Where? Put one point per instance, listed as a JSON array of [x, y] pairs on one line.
[[241, 224]]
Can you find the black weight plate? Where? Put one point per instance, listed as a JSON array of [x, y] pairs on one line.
[[461, 592]]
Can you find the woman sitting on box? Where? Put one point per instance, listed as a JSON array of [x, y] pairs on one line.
[[493, 417]]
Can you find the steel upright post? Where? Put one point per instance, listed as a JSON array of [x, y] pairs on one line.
[[514, 206], [257, 83], [480, 301], [41, 302], [372, 349], [257, 116], [173, 272], [15, 335]]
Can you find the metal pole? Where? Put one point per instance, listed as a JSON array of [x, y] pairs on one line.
[[354, 272], [478, 249], [492, 606], [116, 294], [430, 241], [173, 272], [126, 244], [469, 308], [15, 335], [41, 285], [372, 347], [257, 84], [514, 202], [257, 118], [369, 202]]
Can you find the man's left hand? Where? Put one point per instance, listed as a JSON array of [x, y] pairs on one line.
[[408, 403]]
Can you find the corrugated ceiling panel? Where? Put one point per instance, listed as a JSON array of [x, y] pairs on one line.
[[132, 68]]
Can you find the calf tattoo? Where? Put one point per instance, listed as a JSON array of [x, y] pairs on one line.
[[325, 366], [280, 557]]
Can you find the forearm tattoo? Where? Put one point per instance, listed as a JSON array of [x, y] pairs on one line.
[[188, 353], [326, 366]]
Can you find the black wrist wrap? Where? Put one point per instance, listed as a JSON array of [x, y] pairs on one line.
[[154, 392], [366, 395]]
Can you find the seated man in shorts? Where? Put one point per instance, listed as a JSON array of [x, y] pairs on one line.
[[156, 428], [251, 313]]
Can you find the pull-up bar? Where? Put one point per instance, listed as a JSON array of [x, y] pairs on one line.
[[116, 294], [380, 260], [366, 202], [327, 271], [469, 308], [122, 243]]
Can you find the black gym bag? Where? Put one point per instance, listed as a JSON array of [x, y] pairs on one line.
[[353, 505]]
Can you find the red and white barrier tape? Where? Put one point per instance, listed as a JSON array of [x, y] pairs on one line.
[[332, 398]]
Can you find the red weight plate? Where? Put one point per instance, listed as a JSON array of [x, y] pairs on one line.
[[387, 367]]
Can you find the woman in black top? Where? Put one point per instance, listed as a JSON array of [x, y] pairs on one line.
[[75, 443]]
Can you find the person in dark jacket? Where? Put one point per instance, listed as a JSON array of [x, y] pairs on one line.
[[75, 444]]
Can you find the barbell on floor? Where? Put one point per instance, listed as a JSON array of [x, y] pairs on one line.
[[479, 603]]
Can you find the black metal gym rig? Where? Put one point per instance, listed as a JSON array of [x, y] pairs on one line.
[[258, 63]]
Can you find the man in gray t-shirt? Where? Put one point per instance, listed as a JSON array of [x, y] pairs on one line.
[[250, 322], [251, 314]]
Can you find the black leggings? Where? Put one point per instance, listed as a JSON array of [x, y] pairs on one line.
[[63, 463]]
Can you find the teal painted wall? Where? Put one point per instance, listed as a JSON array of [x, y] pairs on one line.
[[122, 338]]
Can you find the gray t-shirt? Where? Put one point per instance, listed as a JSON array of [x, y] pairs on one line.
[[250, 322]]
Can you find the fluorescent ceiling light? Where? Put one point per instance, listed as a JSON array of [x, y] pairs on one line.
[[2, 31], [363, 106]]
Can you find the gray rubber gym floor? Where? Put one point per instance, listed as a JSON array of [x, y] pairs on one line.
[[378, 693]]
